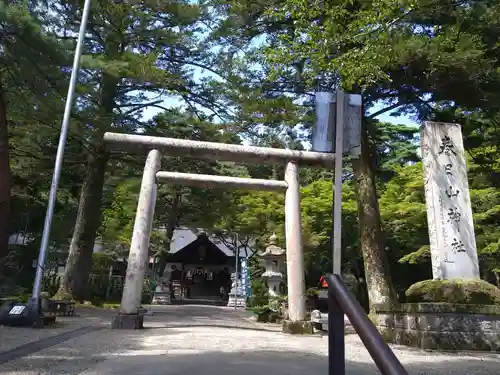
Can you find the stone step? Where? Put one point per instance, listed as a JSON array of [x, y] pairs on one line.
[[161, 298], [239, 302]]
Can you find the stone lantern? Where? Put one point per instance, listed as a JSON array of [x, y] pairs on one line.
[[274, 258], [162, 294]]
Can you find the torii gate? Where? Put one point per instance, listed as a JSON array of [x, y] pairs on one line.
[[129, 316]]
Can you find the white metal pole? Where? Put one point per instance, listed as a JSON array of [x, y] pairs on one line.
[[236, 271], [59, 159], [337, 194]]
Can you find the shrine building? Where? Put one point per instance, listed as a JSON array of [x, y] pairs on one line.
[[198, 265]]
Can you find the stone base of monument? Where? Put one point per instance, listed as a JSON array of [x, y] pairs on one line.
[[297, 327], [237, 301], [442, 326], [162, 298], [128, 321]]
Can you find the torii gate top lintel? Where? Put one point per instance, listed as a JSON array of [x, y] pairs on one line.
[[217, 151]]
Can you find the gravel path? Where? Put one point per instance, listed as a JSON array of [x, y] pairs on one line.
[[13, 337], [220, 341]]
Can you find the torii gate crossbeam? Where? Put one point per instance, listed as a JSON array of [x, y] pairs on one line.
[[217, 151]]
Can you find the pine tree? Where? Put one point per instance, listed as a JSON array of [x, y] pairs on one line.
[[132, 48], [25, 76]]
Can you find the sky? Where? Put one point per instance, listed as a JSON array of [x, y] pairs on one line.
[[386, 117], [170, 102]]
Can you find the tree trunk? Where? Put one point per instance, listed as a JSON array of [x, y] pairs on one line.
[[497, 278], [5, 181], [172, 217], [79, 263], [88, 220], [378, 280]]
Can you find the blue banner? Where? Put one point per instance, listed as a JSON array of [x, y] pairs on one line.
[[245, 278]]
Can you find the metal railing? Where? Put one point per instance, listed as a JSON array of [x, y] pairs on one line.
[[340, 302]]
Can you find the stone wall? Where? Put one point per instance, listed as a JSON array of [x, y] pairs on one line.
[[442, 326]]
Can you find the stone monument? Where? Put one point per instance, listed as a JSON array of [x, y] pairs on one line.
[[274, 257], [237, 296], [449, 212]]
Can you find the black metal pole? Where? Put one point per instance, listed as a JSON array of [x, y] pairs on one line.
[[336, 339], [382, 355]]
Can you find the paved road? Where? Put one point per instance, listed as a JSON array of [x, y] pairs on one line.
[[211, 341]]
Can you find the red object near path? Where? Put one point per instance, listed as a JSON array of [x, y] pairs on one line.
[[323, 282]]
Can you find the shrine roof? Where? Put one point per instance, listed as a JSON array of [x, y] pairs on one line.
[[184, 236], [200, 251]]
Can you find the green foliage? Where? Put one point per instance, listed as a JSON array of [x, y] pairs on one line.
[[312, 292], [393, 45], [61, 296], [265, 310], [265, 314], [259, 294], [456, 291], [403, 210], [30, 80], [396, 147], [118, 219], [262, 213]]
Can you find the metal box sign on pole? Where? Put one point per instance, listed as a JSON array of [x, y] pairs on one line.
[[324, 131], [352, 125]]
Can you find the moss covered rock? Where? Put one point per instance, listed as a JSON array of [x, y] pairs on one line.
[[457, 291], [62, 296]]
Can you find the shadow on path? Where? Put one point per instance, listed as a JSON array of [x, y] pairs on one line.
[[175, 362], [35, 346], [209, 325]]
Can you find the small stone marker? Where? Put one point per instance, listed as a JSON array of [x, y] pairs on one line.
[[449, 212]]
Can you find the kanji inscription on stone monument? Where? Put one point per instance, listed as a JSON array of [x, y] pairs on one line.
[[449, 212], [448, 169]]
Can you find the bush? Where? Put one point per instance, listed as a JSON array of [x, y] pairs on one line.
[[312, 292], [457, 291], [20, 298], [266, 314], [62, 296], [259, 294]]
